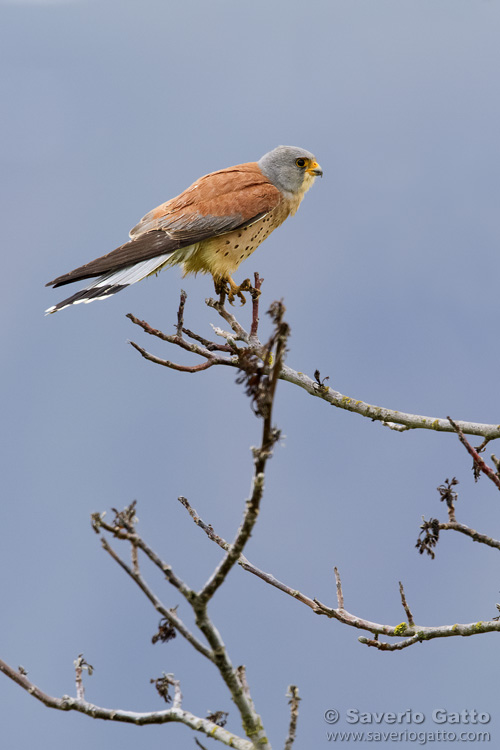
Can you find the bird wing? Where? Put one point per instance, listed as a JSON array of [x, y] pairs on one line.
[[216, 204]]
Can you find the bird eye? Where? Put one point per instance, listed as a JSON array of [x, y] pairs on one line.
[[300, 162]]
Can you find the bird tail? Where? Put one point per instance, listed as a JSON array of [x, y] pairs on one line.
[[113, 282]]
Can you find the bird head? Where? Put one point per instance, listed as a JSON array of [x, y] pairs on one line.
[[290, 168]]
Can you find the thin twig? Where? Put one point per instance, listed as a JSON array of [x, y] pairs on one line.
[[177, 694], [127, 532], [80, 665], [340, 594], [255, 306], [165, 612], [172, 365], [406, 608], [240, 333], [293, 694], [475, 455], [481, 448], [212, 346], [135, 558], [180, 313], [384, 646]]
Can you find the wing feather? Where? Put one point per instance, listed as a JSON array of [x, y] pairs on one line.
[[148, 246], [215, 204], [113, 282]]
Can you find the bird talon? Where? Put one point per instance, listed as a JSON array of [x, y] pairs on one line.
[[233, 290], [255, 293], [231, 297], [246, 286]]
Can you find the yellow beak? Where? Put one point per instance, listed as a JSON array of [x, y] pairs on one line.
[[315, 170]]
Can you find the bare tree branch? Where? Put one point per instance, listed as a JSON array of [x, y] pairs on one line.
[[382, 414], [229, 355], [476, 536], [414, 633], [260, 376], [217, 653], [174, 714], [260, 367]]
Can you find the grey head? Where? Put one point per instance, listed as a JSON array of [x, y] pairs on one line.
[[290, 168]]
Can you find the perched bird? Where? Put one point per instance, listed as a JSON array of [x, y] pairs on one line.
[[211, 227]]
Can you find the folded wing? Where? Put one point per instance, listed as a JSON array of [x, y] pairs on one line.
[[214, 205]]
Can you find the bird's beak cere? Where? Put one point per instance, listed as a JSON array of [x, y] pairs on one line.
[[315, 170]]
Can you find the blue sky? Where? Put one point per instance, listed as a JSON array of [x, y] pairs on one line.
[[389, 272]]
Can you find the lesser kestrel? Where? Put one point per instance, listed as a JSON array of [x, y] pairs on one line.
[[212, 227]]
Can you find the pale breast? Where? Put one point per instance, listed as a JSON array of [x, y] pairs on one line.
[[221, 256]]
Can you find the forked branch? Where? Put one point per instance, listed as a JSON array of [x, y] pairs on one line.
[[410, 632]]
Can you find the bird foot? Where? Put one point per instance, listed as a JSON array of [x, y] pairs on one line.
[[232, 290], [237, 291]]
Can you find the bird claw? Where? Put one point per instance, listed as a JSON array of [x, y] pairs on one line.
[[232, 290], [245, 286]]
